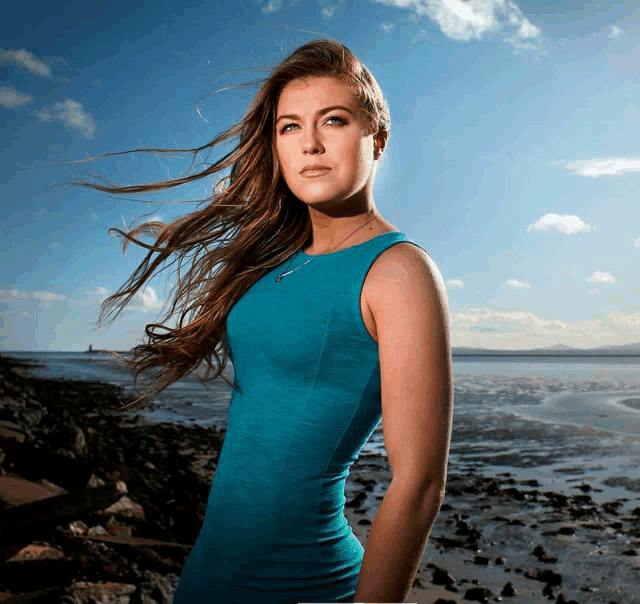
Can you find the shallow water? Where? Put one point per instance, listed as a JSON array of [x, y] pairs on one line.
[[559, 420]]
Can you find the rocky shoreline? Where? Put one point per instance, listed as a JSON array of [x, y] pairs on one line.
[[96, 506]]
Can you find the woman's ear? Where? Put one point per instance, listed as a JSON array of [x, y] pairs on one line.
[[380, 142]]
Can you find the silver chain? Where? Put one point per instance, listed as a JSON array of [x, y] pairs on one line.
[[284, 274]]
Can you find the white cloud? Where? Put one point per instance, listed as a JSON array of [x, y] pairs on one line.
[[517, 283], [148, 299], [101, 292], [601, 277], [566, 223], [12, 294], [23, 58], [272, 6], [605, 166], [10, 97], [506, 321], [457, 283], [145, 299], [624, 320], [45, 298], [528, 29], [465, 20], [387, 27], [636, 242], [523, 329], [615, 32], [72, 113]]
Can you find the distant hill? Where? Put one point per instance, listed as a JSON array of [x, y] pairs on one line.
[[559, 347], [556, 350]]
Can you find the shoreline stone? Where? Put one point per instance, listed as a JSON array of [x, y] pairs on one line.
[[494, 537]]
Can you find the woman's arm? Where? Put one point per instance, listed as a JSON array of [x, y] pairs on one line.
[[410, 309]]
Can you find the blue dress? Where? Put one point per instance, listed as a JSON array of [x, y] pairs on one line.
[[305, 401]]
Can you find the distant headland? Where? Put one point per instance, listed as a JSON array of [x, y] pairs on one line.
[[559, 350], [97, 351]]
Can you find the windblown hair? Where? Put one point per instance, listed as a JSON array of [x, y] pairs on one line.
[[248, 226]]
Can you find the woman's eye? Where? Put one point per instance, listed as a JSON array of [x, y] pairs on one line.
[[341, 121]]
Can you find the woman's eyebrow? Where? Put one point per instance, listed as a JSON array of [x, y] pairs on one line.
[[292, 116]]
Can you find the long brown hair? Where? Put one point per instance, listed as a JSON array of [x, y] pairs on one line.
[[248, 226]]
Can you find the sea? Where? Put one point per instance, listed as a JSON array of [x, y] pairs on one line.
[[563, 421]]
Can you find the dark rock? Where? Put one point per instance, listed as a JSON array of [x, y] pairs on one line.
[[442, 577], [50, 595], [544, 575], [515, 493], [66, 507], [531, 483], [446, 542], [508, 590], [478, 594], [611, 507], [481, 560], [38, 574], [540, 553], [34, 464]]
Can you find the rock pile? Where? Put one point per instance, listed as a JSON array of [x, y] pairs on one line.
[[94, 506]]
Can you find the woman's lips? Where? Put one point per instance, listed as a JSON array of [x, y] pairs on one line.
[[315, 173]]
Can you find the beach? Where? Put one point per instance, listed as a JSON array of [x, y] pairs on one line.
[[499, 536]]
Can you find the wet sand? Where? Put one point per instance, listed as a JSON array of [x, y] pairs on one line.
[[498, 537], [495, 533]]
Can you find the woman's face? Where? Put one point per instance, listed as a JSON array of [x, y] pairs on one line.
[[308, 133]]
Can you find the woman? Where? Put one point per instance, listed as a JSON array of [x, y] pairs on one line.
[[334, 320]]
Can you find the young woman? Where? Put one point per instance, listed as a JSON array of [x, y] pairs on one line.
[[334, 320]]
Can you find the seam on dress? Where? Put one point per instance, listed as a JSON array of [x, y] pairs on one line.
[[310, 393]]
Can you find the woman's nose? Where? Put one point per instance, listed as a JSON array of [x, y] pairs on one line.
[[311, 141]]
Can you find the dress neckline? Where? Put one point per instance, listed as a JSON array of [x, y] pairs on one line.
[[350, 247]]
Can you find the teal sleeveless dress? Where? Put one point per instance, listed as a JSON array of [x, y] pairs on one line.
[[306, 399]]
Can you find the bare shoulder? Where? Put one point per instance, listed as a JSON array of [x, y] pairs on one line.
[[406, 268], [398, 256]]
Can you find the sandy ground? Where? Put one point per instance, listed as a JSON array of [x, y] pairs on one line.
[[590, 568]]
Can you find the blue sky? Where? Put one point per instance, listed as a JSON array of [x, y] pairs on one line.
[[513, 157]]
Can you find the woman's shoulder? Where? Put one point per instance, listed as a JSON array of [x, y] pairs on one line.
[[401, 262], [402, 254]]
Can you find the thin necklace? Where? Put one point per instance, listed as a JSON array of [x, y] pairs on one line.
[[284, 274]]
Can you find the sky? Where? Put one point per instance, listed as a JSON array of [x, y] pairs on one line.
[[513, 157]]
